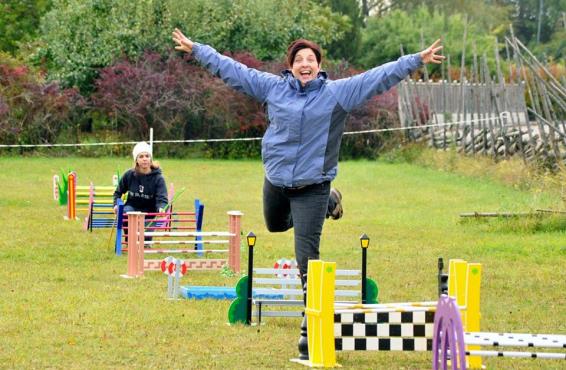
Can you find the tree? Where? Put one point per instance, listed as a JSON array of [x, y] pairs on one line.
[[488, 13], [384, 37], [32, 111], [19, 22], [82, 36], [535, 21], [348, 47]]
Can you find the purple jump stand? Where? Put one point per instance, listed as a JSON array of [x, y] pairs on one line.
[[448, 340]]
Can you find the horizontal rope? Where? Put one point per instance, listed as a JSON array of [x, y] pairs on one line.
[[188, 141]]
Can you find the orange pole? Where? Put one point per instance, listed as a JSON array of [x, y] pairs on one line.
[[234, 227], [71, 196], [135, 243]]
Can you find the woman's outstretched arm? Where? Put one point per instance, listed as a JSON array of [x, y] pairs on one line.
[[353, 91], [248, 80]]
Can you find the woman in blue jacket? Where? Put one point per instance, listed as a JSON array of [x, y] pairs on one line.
[[307, 113]]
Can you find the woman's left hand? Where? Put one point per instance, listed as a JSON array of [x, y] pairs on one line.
[[182, 41], [429, 55]]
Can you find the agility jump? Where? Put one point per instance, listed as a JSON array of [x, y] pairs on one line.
[[405, 326], [137, 244]]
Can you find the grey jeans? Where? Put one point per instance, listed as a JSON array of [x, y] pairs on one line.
[[303, 209]]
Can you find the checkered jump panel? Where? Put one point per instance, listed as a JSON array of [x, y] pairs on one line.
[[383, 344], [388, 331]]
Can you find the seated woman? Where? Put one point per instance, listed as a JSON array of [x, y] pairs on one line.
[[144, 184]]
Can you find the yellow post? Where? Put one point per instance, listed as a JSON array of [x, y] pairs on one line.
[[473, 309], [320, 313], [464, 282]]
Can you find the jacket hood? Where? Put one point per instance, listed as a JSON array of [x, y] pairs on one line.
[[154, 172], [315, 84]]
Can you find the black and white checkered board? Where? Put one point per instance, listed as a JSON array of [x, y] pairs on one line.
[[389, 331]]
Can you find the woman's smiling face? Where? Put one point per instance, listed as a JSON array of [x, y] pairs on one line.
[[305, 66]]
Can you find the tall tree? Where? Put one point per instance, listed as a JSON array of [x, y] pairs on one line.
[[535, 21], [348, 47], [19, 21], [488, 13], [384, 36]]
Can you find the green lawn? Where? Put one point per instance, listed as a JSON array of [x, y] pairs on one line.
[[63, 303]]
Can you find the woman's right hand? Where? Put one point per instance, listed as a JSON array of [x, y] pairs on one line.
[[182, 41]]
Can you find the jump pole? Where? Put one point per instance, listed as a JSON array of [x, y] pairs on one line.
[[72, 196]]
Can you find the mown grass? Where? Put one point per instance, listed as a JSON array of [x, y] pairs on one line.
[[64, 305]]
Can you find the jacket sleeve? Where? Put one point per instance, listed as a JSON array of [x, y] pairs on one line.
[[161, 198], [236, 75], [353, 91], [121, 188]]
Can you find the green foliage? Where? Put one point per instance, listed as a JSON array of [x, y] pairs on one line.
[[554, 50], [528, 16], [81, 36], [19, 22], [485, 13], [385, 36], [348, 47]]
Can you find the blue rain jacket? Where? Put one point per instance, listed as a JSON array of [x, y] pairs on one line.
[[301, 144]]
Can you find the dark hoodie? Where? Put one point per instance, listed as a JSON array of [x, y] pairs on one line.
[[146, 193]]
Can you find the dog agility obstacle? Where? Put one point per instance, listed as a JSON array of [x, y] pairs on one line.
[[79, 198], [137, 244], [272, 287], [160, 221], [101, 209], [405, 326], [450, 340]]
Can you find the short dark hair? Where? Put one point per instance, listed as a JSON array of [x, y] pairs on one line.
[[300, 44]]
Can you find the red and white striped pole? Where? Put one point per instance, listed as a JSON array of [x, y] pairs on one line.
[[234, 227]]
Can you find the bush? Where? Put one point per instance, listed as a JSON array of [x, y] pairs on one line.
[[179, 99], [33, 111]]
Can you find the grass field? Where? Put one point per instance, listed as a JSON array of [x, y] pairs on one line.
[[64, 305]]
